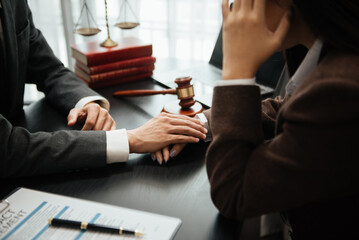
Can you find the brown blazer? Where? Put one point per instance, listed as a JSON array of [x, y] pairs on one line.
[[313, 156]]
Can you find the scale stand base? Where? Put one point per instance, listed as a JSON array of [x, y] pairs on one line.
[[174, 108], [109, 43]]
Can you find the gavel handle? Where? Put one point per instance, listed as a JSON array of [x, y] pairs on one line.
[[137, 93]]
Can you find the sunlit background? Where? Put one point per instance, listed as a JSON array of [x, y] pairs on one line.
[[184, 29]]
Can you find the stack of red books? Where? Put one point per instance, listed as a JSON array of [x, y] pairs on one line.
[[130, 60]]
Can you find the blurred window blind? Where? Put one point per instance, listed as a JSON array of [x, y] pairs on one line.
[[183, 29]]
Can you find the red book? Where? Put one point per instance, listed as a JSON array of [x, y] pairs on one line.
[[92, 53], [136, 62], [114, 74], [132, 78]]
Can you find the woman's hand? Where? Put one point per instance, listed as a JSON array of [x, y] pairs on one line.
[[93, 116], [164, 130], [165, 153], [247, 41]]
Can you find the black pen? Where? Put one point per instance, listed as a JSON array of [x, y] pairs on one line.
[[56, 222]]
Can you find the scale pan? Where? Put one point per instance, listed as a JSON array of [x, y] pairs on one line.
[[87, 31], [127, 25]]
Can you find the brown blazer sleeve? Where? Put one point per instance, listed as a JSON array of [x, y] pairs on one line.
[[270, 108], [314, 157]]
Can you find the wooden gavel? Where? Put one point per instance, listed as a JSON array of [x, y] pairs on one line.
[[184, 92]]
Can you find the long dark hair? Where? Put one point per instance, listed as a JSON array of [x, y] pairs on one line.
[[335, 21]]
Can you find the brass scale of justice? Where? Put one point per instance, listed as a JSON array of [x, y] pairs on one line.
[[184, 91]]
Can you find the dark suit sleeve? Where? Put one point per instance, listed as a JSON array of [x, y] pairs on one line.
[[313, 158], [24, 154], [63, 89]]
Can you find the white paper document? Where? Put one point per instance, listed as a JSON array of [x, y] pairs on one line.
[[25, 215]]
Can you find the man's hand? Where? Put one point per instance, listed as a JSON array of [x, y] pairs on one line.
[[93, 116], [164, 130]]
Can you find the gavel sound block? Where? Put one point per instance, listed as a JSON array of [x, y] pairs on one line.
[[184, 91]]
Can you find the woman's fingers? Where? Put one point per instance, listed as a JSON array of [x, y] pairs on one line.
[[159, 157], [153, 156], [166, 153], [282, 29], [225, 8], [259, 6], [236, 5], [246, 5], [176, 149], [250, 38]]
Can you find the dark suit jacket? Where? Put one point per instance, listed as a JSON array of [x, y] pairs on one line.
[[309, 168], [26, 57]]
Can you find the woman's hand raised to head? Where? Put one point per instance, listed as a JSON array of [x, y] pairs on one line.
[[247, 40], [164, 130]]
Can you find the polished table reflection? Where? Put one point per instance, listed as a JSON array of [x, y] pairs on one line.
[[179, 188]]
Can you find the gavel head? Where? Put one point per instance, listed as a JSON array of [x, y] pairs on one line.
[[187, 106], [185, 92]]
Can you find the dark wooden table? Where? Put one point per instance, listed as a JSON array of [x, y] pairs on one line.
[[179, 188]]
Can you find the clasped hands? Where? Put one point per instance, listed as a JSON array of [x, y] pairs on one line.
[[154, 135]]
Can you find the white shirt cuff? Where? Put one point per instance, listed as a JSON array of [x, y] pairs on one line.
[[117, 148], [232, 82], [103, 102], [203, 119]]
